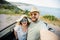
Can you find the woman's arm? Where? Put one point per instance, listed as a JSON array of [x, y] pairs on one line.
[[15, 33]]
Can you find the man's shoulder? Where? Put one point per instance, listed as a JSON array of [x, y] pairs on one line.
[[40, 22], [42, 25]]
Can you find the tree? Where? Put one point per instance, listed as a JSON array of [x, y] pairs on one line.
[[26, 12]]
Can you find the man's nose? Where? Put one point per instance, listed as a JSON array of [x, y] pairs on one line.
[[33, 15]]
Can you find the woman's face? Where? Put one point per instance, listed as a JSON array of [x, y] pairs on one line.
[[24, 22]]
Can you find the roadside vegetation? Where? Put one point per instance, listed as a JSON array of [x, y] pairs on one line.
[[51, 19]]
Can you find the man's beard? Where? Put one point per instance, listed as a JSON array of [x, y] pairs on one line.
[[35, 20]]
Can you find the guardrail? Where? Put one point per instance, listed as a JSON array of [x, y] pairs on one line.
[[7, 29]]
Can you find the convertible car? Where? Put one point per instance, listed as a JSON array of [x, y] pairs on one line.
[[8, 33]]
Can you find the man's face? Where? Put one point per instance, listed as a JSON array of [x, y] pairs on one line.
[[34, 16]]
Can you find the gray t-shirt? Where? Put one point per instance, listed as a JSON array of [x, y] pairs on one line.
[[34, 30]]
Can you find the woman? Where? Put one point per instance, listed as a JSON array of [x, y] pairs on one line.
[[20, 30]]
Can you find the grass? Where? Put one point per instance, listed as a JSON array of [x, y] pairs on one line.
[[54, 22]]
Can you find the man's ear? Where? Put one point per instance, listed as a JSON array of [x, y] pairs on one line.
[[48, 35]]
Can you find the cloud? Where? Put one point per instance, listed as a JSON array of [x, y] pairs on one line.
[[46, 3]]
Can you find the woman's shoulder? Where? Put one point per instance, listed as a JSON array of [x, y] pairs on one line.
[[17, 27]]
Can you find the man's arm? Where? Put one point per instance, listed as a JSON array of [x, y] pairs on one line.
[[47, 35]]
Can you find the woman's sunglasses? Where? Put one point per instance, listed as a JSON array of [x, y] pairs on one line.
[[24, 20]]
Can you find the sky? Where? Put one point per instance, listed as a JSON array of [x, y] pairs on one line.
[[46, 3]]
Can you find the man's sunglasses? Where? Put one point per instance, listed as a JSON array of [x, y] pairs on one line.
[[33, 14]]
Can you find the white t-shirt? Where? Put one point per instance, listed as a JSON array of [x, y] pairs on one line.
[[21, 35]]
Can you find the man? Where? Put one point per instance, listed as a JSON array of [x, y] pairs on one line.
[[36, 26]]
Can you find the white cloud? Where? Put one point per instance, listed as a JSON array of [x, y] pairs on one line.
[[46, 3]]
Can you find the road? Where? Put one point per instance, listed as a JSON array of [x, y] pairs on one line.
[[6, 20], [56, 29]]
